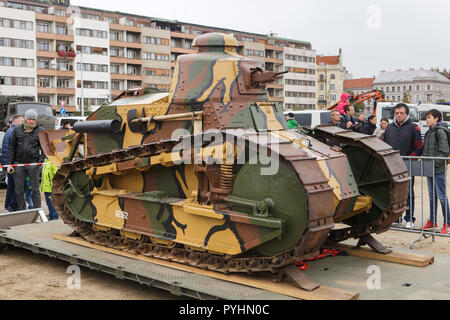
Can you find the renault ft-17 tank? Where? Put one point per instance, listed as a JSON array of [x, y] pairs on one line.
[[208, 174]]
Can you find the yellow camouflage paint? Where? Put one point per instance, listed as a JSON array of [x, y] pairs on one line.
[[222, 72], [190, 189], [200, 220], [110, 215], [272, 122]]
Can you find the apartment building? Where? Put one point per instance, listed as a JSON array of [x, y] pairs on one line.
[[79, 55], [330, 79], [17, 53]]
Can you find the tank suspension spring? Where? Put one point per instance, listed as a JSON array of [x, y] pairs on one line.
[[226, 177]]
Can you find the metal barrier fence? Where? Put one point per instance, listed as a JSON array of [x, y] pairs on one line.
[[423, 211]]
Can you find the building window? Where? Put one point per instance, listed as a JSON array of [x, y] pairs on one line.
[[115, 69], [44, 99], [42, 27], [60, 13], [43, 64], [43, 45], [115, 85], [61, 30], [44, 82], [332, 87], [333, 77]]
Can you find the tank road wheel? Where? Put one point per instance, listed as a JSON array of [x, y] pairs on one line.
[[286, 197]]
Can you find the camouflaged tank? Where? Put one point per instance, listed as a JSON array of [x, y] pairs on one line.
[[209, 199]]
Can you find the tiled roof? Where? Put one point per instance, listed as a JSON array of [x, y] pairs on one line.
[[330, 60], [359, 83]]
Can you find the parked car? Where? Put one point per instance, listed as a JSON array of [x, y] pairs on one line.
[[311, 118], [62, 121]]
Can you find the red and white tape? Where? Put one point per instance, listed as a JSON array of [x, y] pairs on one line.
[[22, 165]]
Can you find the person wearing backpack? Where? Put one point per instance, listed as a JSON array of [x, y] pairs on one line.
[[437, 144]]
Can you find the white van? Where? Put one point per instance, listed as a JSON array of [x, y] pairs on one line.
[[386, 110], [311, 118], [423, 110], [62, 121]]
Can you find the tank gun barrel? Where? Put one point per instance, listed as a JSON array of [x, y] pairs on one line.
[[104, 126], [259, 76]]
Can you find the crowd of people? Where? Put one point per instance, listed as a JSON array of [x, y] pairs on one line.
[[404, 135]]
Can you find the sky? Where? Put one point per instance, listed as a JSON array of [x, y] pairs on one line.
[[374, 35]]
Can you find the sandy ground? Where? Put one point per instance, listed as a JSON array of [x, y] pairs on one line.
[[26, 276]]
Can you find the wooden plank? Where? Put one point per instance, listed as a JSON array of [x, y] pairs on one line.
[[260, 281], [410, 259]]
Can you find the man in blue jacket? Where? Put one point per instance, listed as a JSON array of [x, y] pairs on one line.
[[10, 203]]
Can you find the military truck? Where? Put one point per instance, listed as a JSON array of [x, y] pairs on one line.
[[11, 106]]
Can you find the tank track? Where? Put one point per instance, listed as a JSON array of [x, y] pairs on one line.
[[320, 223], [308, 247], [392, 163]]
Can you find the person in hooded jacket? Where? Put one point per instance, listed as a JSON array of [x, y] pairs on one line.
[[345, 102], [436, 145]]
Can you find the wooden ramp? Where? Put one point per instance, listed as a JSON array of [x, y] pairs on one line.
[[410, 259], [262, 281]]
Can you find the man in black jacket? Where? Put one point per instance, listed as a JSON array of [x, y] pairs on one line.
[[405, 136], [370, 126], [25, 148]]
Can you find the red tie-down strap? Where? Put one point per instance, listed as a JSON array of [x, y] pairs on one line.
[[303, 266]]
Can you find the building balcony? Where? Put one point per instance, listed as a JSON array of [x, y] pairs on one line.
[[275, 86], [122, 27], [182, 35], [273, 60], [51, 18], [276, 99], [125, 60], [182, 50], [55, 36], [323, 102], [124, 44], [274, 48], [60, 91], [55, 72], [66, 54], [124, 76]]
